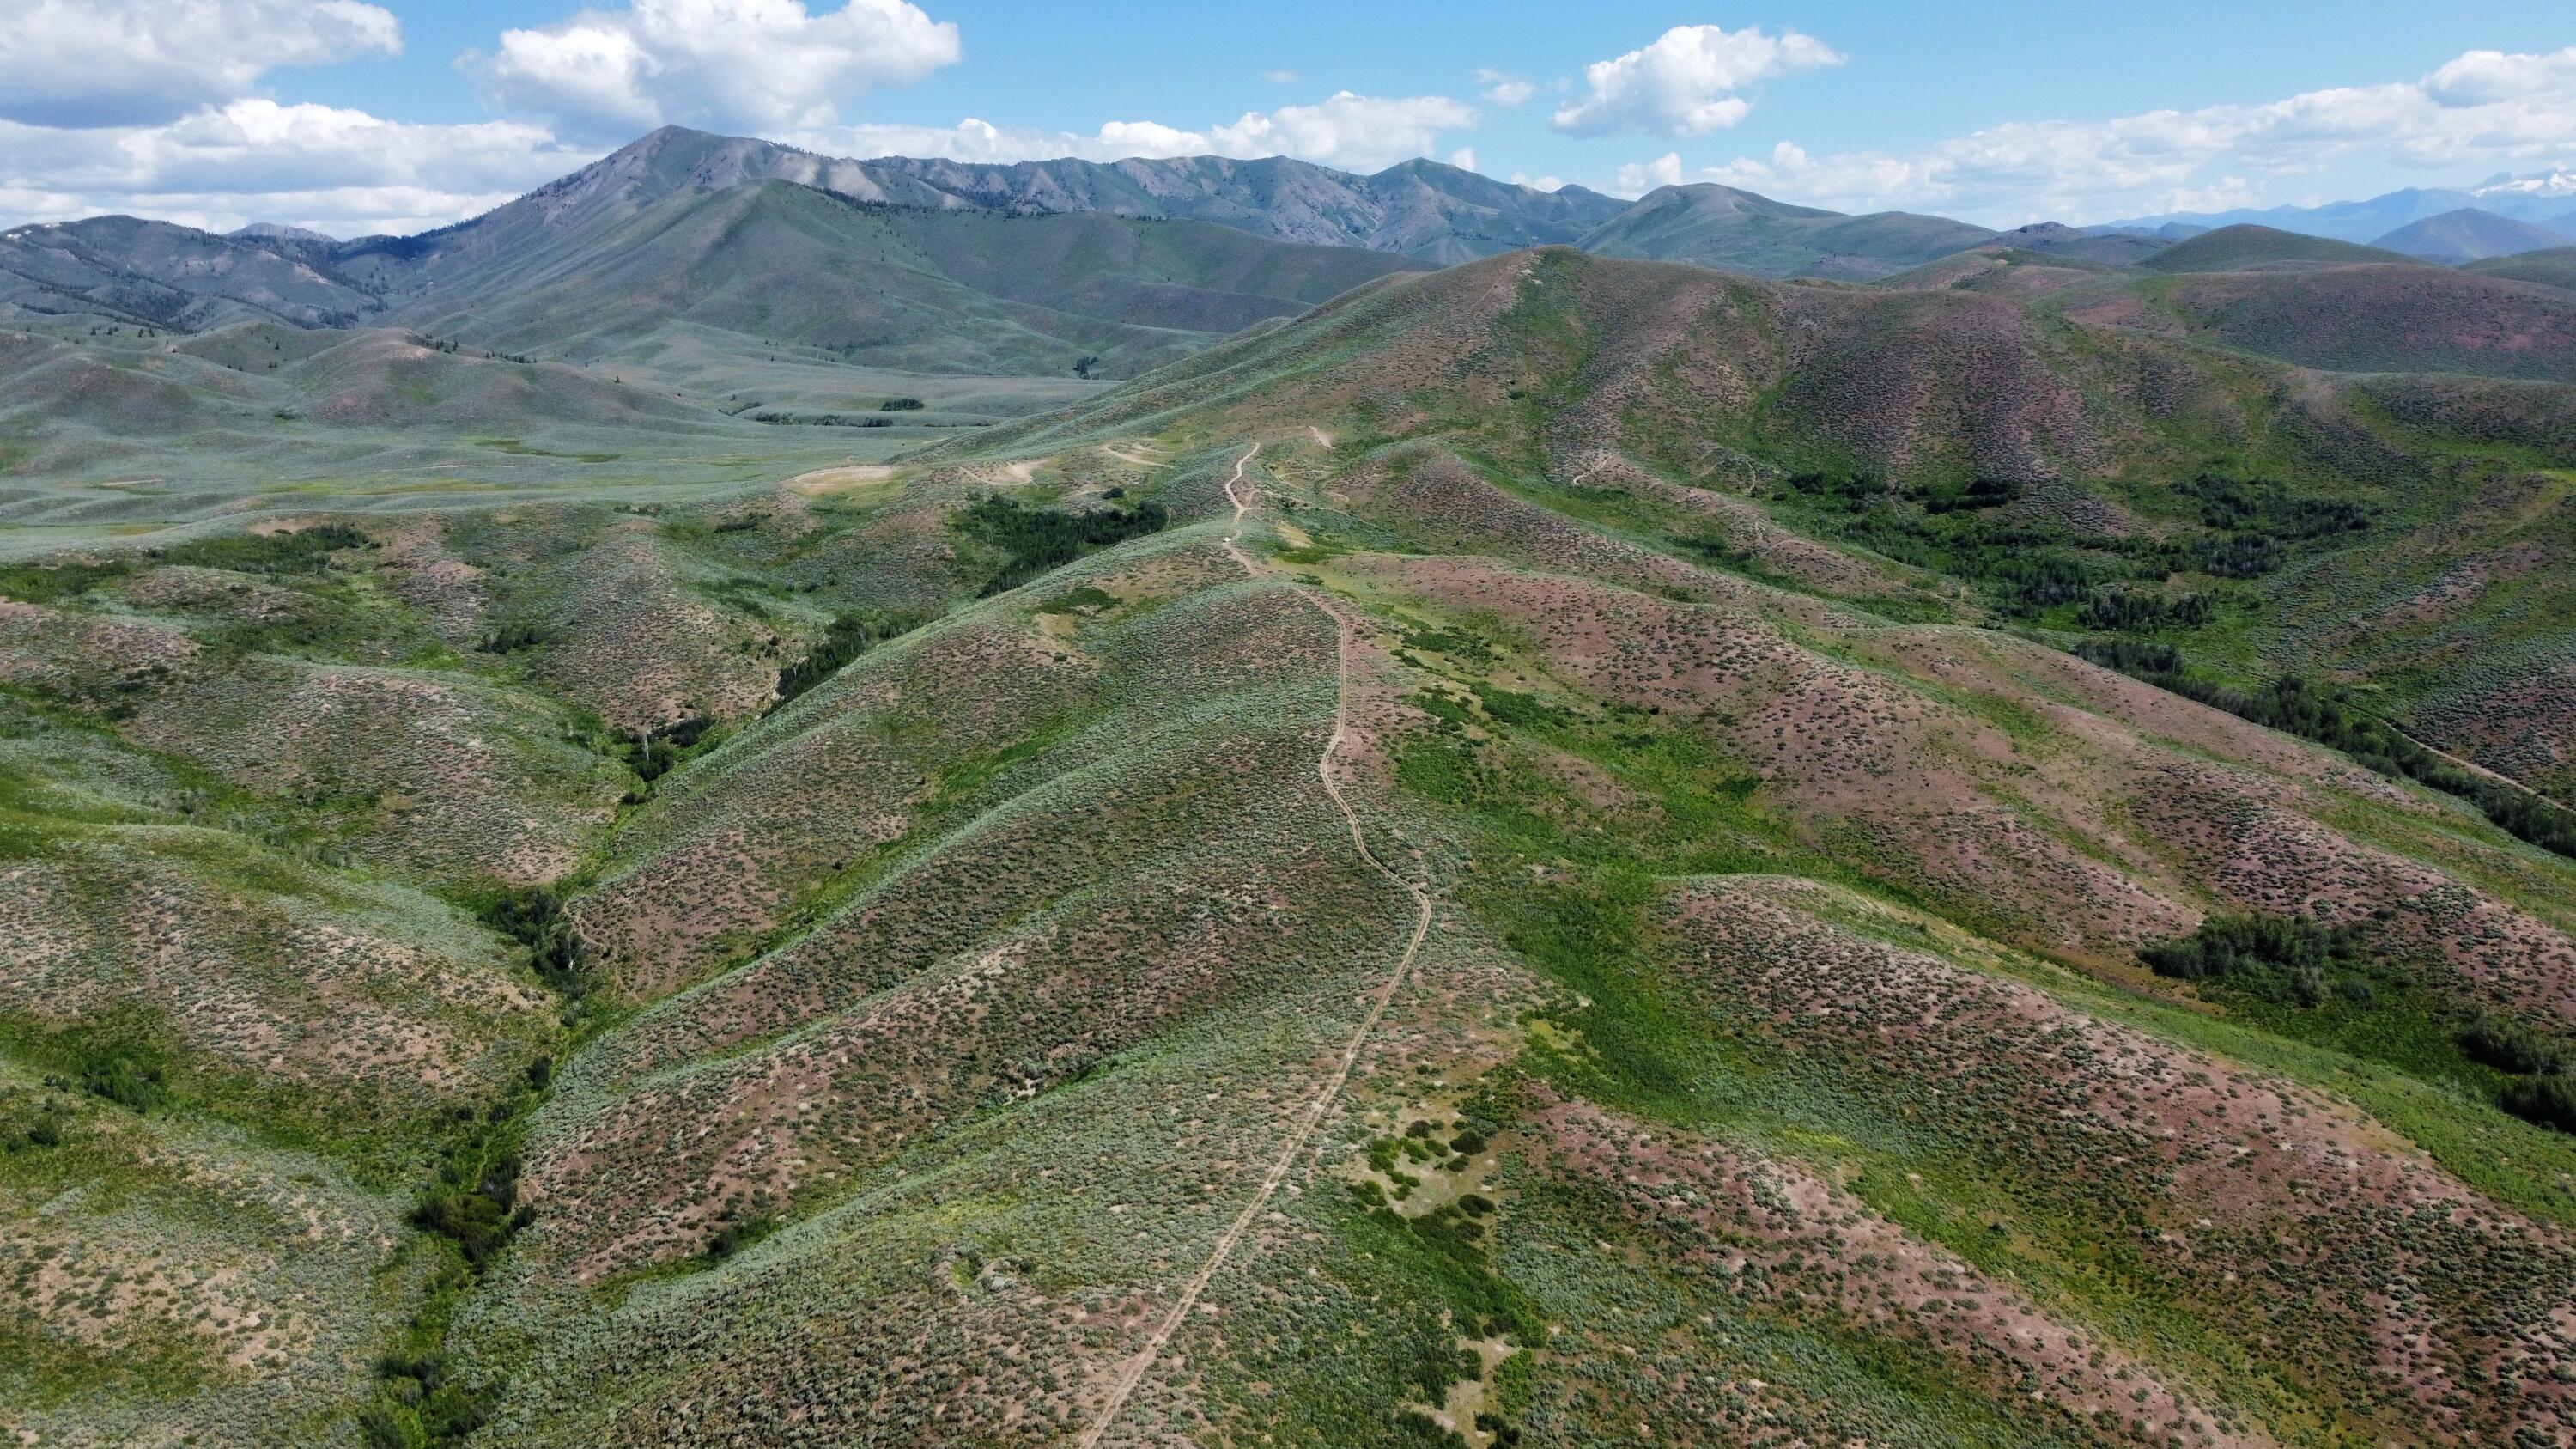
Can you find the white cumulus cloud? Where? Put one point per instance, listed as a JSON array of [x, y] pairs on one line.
[[1503, 88], [81, 63], [2485, 110], [735, 65], [1353, 132], [1346, 130], [1687, 82], [332, 169]]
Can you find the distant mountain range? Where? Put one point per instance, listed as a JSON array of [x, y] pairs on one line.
[[1421, 209], [1057, 267], [2544, 206]]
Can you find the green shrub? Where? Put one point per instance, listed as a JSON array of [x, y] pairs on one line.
[[735, 1236], [846, 638], [2549, 1101], [1982, 493], [305, 551], [1036, 540], [535, 918], [2136, 612], [478, 1215], [2509, 1046], [53, 584], [2287, 960]]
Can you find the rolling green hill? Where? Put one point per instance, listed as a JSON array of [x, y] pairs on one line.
[[2555, 267], [2247, 248], [1718, 226], [2468, 235]]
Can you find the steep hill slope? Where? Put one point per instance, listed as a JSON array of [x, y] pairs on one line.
[[1718, 226], [773, 262], [2468, 235]]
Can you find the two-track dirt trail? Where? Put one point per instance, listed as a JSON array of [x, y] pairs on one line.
[[1346, 633]]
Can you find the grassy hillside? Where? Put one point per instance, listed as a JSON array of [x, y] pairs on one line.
[[2261, 248], [1550, 847], [2555, 267]]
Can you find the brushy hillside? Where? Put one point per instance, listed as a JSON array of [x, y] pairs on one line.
[[1719, 226], [2260, 248], [2381, 319], [1962, 429], [1553, 850]]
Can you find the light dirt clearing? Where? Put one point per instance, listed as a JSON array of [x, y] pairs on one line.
[[1132, 455], [839, 480]]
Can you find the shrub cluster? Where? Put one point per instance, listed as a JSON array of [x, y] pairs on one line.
[[2288, 960], [305, 551], [2137, 612], [1039, 539], [474, 1200], [846, 638], [1980, 494], [441, 1410], [535, 918], [2541, 1091]]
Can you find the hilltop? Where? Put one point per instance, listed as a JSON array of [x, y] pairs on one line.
[[2469, 235], [2247, 247], [1718, 226]]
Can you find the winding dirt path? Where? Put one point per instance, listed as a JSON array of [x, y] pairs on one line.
[[1346, 631]]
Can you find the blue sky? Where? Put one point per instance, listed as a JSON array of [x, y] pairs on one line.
[[392, 115]]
